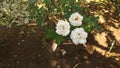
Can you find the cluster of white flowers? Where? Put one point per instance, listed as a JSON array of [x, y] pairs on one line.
[[78, 35]]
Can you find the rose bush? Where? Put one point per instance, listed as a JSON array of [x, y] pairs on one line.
[[63, 19]]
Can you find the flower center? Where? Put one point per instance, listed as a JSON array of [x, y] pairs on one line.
[[79, 35], [76, 18], [63, 27]]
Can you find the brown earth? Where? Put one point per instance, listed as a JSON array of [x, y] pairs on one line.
[[25, 47]]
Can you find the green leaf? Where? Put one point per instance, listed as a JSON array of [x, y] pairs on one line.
[[31, 16], [67, 15], [86, 19], [90, 23], [51, 34], [98, 27], [59, 39], [47, 3], [1, 23], [95, 19], [39, 21], [71, 2], [64, 2], [77, 8], [66, 9]]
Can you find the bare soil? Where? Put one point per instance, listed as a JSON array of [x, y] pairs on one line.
[[25, 47]]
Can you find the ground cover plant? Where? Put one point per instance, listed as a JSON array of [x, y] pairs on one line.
[[62, 18]]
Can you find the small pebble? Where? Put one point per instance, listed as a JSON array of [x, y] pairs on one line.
[[28, 32], [39, 55], [85, 57], [22, 40], [14, 55], [28, 35], [54, 47], [58, 66], [17, 62], [63, 52], [18, 43], [87, 62], [20, 36], [117, 59], [96, 66]]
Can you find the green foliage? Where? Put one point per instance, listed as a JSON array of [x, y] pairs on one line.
[[51, 34], [2, 23], [71, 2], [47, 3], [53, 10], [91, 23]]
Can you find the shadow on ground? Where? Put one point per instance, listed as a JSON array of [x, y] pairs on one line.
[[21, 47], [25, 47]]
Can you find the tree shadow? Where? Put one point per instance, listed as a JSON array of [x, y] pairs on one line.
[[110, 12], [78, 57]]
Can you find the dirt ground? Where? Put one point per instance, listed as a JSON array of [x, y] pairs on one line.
[[25, 47]]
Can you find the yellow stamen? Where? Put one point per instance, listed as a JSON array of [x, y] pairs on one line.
[[76, 18]]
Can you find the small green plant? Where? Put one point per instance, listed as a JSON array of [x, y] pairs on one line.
[[64, 19]]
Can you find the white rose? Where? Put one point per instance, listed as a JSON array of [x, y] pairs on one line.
[[78, 36], [76, 19], [62, 28]]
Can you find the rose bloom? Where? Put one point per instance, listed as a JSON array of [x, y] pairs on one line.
[[76, 19], [78, 36], [62, 28]]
